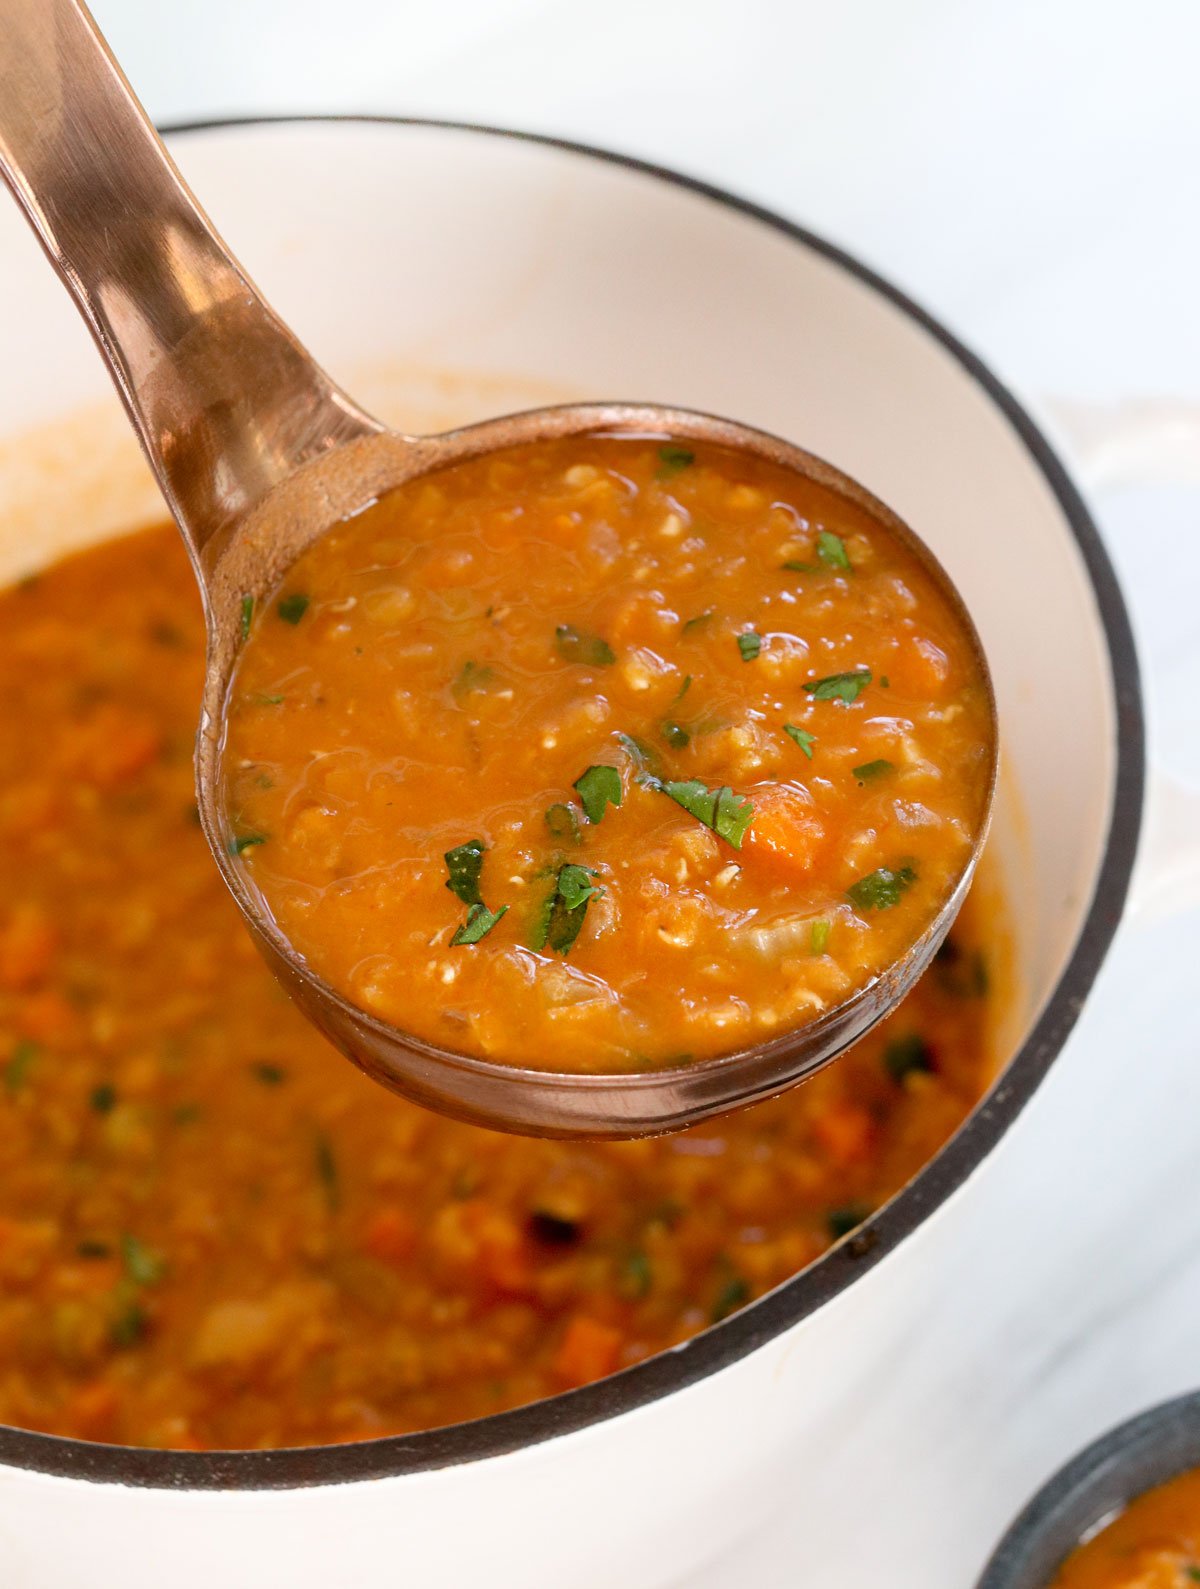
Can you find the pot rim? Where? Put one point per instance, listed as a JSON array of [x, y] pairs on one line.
[[722, 1344], [1145, 1451]]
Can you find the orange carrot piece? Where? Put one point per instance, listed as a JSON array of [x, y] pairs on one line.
[[589, 1350]]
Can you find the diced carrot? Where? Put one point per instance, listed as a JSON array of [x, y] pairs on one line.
[[113, 745], [28, 941], [390, 1235], [588, 1351], [845, 1133], [786, 833]]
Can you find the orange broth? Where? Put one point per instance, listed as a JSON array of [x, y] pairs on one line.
[[603, 754], [214, 1231], [1153, 1544]]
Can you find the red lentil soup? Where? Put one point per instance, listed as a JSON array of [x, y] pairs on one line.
[[214, 1232], [604, 753], [1153, 1544]]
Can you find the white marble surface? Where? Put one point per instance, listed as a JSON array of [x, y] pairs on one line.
[[1028, 169]]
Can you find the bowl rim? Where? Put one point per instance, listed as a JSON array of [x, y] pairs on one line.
[[1140, 1454], [720, 1345]]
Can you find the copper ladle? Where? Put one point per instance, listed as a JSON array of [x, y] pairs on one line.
[[258, 453]]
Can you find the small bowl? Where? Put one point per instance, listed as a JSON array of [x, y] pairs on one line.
[[1093, 1487]]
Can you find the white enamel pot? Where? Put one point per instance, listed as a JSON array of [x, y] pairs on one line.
[[444, 274]]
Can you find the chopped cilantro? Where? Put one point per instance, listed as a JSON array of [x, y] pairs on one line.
[[672, 458], [598, 788], [803, 738], [866, 771], [644, 757], [885, 682], [831, 549], [959, 972], [840, 686], [480, 921], [881, 889], [463, 864], [292, 608], [841, 1221], [732, 1295], [245, 841], [472, 678], [142, 1264], [684, 687], [270, 1075], [675, 734], [635, 1276], [561, 916], [794, 567], [247, 615], [727, 814], [90, 1248], [265, 700], [906, 1054], [16, 1071], [819, 936], [749, 644], [579, 645], [697, 621], [129, 1325], [103, 1098], [563, 823], [327, 1171]]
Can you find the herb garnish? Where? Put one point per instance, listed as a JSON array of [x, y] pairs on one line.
[[700, 618], [840, 686], [749, 644], [472, 677], [129, 1325], [635, 1276], [327, 1171], [959, 973], [563, 823], [16, 1072], [881, 889], [732, 1295], [247, 615], [868, 770], [672, 458], [831, 549], [103, 1098], [245, 841], [561, 916], [794, 567], [803, 738], [480, 921], [142, 1264], [292, 608], [644, 757], [841, 1221], [727, 814], [270, 1075], [580, 645], [598, 788], [675, 734], [819, 936], [463, 864], [906, 1054]]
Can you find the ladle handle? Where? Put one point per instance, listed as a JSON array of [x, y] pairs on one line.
[[224, 398]]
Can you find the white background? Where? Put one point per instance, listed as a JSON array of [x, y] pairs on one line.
[[1030, 171]]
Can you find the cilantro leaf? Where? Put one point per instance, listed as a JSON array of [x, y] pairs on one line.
[[868, 770], [247, 615], [562, 913], [831, 549], [580, 645], [675, 734], [598, 788], [292, 608], [472, 678], [672, 458], [803, 738], [727, 814], [840, 686], [882, 889], [695, 623], [841, 1221], [142, 1264], [245, 841], [463, 864], [480, 921], [562, 822], [749, 644], [906, 1054], [819, 936]]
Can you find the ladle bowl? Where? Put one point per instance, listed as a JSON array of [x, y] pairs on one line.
[[258, 453]]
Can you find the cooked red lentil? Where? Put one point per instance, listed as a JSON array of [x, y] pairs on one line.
[[1153, 1544], [216, 1232], [603, 754]]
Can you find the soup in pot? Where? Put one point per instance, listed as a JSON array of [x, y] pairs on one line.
[[214, 1232], [1153, 1544]]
